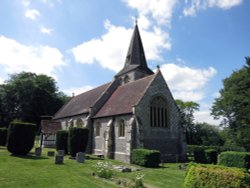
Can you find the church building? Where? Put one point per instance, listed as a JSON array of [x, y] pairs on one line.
[[135, 110]]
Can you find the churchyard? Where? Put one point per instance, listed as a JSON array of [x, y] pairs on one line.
[[33, 171]]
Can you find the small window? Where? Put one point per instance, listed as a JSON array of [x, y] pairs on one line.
[[121, 128], [97, 129], [126, 79], [79, 122]]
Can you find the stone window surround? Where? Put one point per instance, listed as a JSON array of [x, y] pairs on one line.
[[121, 128], [98, 129], [158, 112]]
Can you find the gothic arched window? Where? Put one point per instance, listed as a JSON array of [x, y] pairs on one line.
[[121, 128], [126, 79], [98, 129], [158, 112], [79, 122]]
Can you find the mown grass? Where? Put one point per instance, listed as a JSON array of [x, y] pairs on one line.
[[31, 171]]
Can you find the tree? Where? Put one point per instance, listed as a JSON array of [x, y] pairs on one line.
[[207, 135], [187, 111], [26, 96], [233, 105]]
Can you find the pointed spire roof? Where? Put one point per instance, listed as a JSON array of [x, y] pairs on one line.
[[135, 58]]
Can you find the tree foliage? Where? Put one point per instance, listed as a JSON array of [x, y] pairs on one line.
[[233, 105], [187, 110], [26, 96]]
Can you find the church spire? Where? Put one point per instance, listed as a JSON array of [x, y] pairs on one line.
[[135, 58]]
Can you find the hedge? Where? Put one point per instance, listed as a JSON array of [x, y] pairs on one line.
[[207, 176], [3, 136], [21, 137], [211, 156], [146, 157], [62, 140], [77, 140], [234, 159]]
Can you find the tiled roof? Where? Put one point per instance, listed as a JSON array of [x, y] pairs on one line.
[[81, 103], [125, 97], [50, 126]]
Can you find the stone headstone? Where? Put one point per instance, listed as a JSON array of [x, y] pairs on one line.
[[38, 152], [59, 159], [61, 152], [51, 153], [80, 157]]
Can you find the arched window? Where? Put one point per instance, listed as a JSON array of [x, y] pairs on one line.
[[79, 122], [98, 129], [158, 112], [126, 79], [121, 128]]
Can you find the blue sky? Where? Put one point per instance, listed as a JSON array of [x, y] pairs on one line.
[[82, 44]]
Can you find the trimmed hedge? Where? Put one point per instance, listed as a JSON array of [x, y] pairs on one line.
[[62, 140], [203, 154], [21, 137], [146, 157], [235, 159], [3, 136], [207, 176], [211, 156], [77, 140]]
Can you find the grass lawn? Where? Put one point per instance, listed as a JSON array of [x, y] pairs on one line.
[[41, 172]]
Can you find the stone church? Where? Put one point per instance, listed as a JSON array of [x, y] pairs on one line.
[[135, 110]]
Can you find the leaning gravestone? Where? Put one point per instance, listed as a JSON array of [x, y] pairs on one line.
[[61, 152], [59, 159], [80, 157], [51, 153], [38, 151]]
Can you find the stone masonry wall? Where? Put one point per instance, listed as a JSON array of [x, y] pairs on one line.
[[165, 139]]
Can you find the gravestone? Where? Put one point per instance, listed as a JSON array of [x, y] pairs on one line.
[[38, 152], [51, 153], [80, 157], [59, 159], [61, 152]]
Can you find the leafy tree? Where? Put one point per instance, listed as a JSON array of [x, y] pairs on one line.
[[187, 111], [233, 105], [207, 135], [26, 96]]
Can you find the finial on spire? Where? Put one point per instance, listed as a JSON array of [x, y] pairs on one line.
[[158, 67], [136, 20]]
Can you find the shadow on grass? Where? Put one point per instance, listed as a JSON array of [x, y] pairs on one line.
[[29, 157]]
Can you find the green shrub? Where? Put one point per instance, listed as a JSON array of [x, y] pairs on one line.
[[3, 136], [146, 157], [207, 176], [77, 140], [104, 170], [21, 137], [211, 156], [199, 153], [234, 159], [62, 140]]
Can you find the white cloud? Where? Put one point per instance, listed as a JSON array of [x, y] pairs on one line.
[[46, 30], [25, 3], [1, 80], [204, 116], [187, 83], [192, 6], [32, 14], [16, 57], [224, 4], [110, 49], [77, 90], [160, 10]]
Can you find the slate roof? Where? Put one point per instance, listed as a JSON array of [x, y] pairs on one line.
[[80, 104], [125, 97], [135, 58]]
